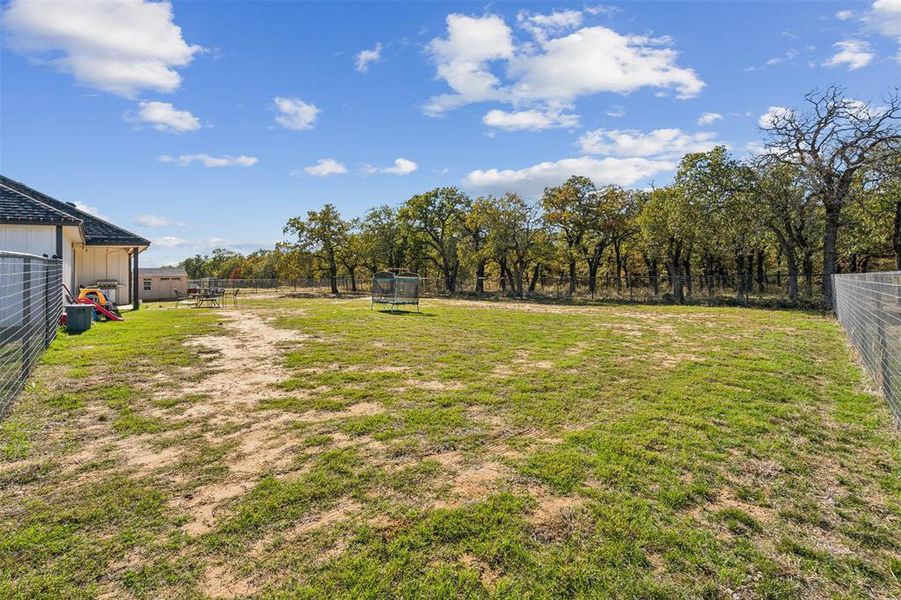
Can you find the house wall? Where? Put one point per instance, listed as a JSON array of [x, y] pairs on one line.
[[71, 241], [33, 239], [99, 263], [40, 240], [162, 287]]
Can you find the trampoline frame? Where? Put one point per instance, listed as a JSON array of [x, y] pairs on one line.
[[392, 294]]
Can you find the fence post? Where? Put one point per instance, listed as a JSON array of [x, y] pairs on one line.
[[47, 305], [26, 316]]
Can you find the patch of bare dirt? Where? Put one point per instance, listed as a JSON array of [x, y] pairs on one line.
[[247, 362], [311, 523], [203, 504], [552, 509], [669, 360], [219, 581], [468, 482], [143, 457], [487, 574], [433, 386]]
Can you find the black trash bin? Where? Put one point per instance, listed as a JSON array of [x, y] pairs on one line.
[[79, 317]]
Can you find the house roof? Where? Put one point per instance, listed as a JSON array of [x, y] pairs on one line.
[[97, 232], [162, 272], [16, 207]]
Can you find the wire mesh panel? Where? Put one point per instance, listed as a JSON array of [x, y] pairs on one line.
[[395, 288], [383, 287], [868, 305], [31, 301]]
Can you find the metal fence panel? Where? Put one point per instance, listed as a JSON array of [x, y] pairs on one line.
[[31, 301], [868, 305]]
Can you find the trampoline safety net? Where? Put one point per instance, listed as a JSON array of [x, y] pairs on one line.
[[395, 289]]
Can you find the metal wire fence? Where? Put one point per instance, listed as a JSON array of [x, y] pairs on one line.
[[769, 288], [868, 305], [31, 301]]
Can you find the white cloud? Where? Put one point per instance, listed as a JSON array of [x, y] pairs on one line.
[[295, 114], [163, 116], [91, 210], [325, 167], [657, 143], [854, 53], [184, 160], [885, 17], [532, 180], [789, 55], [402, 166], [170, 241], [462, 58], [616, 111], [531, 120], [844, 15], [602, 9], [540, 26], [773, 113], [365, 57], [152, 221], [551, 71], [598, 60], [118, 46], [708, 118]]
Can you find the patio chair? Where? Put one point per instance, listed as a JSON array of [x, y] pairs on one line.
[[182, 299]]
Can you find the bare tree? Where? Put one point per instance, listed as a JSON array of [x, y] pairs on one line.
[[833, 142]]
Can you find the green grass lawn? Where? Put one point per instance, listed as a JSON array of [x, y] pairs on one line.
[[314, 448]]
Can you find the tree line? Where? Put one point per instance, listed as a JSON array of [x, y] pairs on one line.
[[822, 197]]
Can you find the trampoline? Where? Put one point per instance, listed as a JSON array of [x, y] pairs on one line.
[[395, 289]]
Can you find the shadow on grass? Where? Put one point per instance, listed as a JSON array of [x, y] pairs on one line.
[[404, 313]]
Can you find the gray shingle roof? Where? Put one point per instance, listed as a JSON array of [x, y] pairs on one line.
[[97, 232], [16, 207]]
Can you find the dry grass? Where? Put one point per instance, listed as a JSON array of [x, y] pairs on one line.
[[314, 448]]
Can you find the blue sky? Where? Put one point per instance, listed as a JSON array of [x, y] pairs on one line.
[[203, 124]]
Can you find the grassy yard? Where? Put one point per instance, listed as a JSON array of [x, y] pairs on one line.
[[315, 448]]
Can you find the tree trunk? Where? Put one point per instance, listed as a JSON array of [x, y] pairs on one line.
[[653, 278], [674, 267], [534, 280], [830, 245], [739, 276], [353, 279], [592, 275], [333, 275], [619, 267], [480, 278], [686, 270], [808, 274], [520, 276], [450, 277], [791, 263], [761, 276], [572, 278]]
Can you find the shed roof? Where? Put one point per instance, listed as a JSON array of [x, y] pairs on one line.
[[162, 272], [97, 232]]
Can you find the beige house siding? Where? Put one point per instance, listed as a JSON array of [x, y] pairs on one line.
[[162, 287], [104, 263], [40, 240]]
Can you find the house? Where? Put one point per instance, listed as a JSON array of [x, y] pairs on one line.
[[94, 252], [162, 283]]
